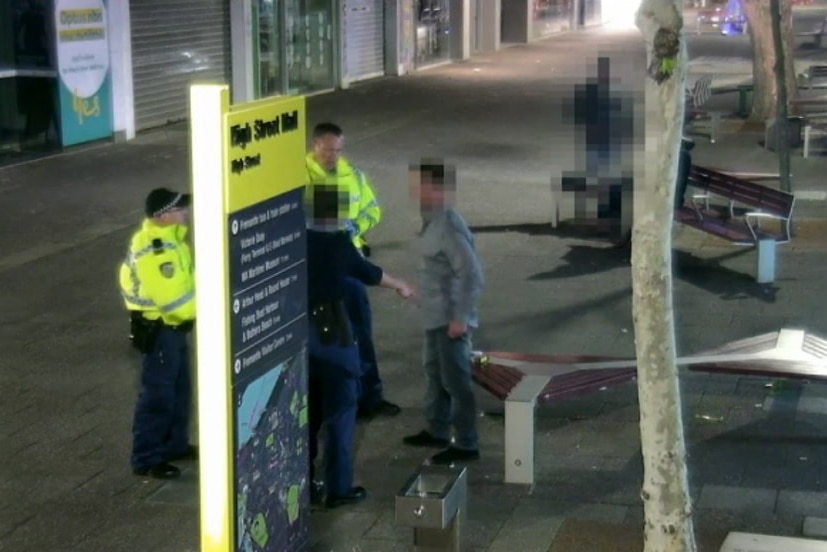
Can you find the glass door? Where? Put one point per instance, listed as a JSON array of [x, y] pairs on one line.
[[28, 79], [433, 32], [309, 33], [267, 48]]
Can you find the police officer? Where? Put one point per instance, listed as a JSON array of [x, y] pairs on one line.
[[333, 356], [325, 165], [157, 285]]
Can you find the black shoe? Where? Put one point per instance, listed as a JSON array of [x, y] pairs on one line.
[[356, 494], [424, 439], [159, 471], [316, 493], [190, 453], [452, 454], [382, 408]]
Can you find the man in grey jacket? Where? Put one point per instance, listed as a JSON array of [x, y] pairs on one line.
[[451, 283]]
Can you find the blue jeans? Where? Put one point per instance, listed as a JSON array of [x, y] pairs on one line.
[[450, 399], [358, 311], [160, 429]]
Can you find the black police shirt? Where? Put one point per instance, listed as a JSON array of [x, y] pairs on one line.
[[331, 259]]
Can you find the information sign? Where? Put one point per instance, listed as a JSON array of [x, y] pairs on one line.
[[252, 352]]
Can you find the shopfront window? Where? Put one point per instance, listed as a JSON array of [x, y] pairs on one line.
[[28, 93], [433, 35], [293, 50], [550, 16], [310, 36], [267, 49]]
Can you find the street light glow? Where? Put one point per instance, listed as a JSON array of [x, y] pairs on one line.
[[620, 14]]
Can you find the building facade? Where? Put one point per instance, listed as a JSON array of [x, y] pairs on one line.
[[528, 20], [74, 71]]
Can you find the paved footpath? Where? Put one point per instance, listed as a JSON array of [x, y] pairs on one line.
[[68, 379]]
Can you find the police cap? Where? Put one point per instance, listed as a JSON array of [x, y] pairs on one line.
[[163, 200]]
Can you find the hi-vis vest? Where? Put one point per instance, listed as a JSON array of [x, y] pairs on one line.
[[365, 212], [156, 277]]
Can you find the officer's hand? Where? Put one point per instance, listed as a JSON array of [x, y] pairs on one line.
[[456, 329], [406, 290]]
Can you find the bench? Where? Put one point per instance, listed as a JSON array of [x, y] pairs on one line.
[[695, 98], [731, 222], [510, 378], [810, 108], [524, 381], [816, 33], [815, 72], [814, 112], [810, 130]]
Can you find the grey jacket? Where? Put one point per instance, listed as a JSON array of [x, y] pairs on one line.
[[451, 277]]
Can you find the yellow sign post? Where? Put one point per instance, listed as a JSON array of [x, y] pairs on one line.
[[248, 173]]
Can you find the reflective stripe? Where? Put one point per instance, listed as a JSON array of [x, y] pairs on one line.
[[135, 300], [148, 249], [183, 300], [133, 275], [369, 218]]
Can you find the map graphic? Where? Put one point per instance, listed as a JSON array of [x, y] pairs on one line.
[[271, 460]]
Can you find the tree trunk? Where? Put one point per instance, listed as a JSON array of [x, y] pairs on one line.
[[665, 492], [765, 95]]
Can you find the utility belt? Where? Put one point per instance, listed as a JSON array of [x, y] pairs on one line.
[[143, 332], [332, 324]]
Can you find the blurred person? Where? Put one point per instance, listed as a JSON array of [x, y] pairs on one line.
[[333, 354], [451, 283]]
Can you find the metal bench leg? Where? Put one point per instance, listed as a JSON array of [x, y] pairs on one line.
[[519, 429], [766, 261], [715, 121], [807, 130], [555, 206]]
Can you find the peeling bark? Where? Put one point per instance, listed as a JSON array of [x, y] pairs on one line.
[[765, 96], [665, 493]]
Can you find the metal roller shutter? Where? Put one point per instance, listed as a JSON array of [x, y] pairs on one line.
[[364, 38], [175, 42]]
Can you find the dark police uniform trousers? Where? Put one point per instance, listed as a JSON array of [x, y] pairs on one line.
[[161, 423], [358, 310], [334, 372]]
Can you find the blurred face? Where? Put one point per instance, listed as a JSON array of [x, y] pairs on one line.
[[429, 195], [327, 149], [327, 207]]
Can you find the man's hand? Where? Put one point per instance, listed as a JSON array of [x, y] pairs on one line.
[[456, 329]]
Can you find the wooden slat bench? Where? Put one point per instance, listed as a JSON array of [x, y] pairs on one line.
[[523, 381], [509, 377], [738, 219], [788, 353]]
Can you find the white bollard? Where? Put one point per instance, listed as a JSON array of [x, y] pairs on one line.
[[766, 261]]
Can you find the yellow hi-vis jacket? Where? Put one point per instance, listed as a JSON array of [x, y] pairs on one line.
[[364, 212], [156, 277]]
